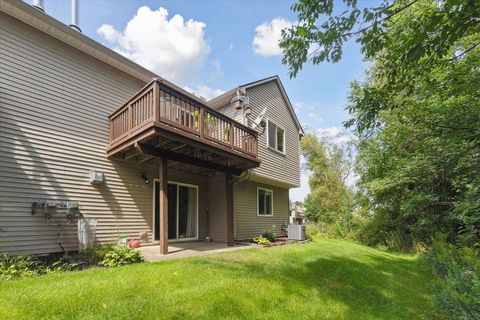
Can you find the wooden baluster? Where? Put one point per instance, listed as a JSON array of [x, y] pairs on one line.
[[161, 104], [201, 122], [231, 135], [156, 102], [184, 114], [151, 104], [167, 105]]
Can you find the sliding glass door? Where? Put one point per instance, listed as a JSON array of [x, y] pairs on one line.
[[182, 212]]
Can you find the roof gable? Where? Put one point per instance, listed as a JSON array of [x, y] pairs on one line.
[[225, 98]]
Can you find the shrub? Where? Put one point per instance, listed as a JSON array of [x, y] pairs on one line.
[[456, 284], [93, 255], [270, 235], [20, 266], [311, 230], [90, 255], [262, 240], [121, 255]]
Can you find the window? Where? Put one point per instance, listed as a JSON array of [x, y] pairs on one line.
[[276, 137], [264, 202]]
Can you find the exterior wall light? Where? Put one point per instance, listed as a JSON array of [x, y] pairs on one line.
[[145, 179]]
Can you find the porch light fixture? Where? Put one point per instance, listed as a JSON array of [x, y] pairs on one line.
[[145, 179]]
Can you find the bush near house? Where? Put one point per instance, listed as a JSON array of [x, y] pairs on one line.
[[120, 256], [107, 255], [262, 240], [269, 234], [20, 267]]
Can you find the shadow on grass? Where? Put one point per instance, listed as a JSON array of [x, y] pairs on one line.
[[382, 286]]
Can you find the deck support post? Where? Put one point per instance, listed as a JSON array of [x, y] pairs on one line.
[[229, 194], [163, 189]]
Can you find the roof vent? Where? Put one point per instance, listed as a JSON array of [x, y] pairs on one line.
[[74, 24], [38, 4]]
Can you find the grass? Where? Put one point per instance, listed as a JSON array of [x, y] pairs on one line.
[[325, 279]]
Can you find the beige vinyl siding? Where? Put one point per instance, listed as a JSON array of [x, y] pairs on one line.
[[247, 223], [54, 107], [281, 167], [217, 209], [231, 112]]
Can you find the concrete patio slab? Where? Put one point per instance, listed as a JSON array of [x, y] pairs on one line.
[[190, 249]]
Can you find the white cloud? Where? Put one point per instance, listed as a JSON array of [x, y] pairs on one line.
[[205, 92], [267, 36], [174, 49], [315, 117], [230, 46], [334, 135], [298, 105], [217, 69]]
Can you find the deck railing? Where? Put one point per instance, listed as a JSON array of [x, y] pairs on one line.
[[162, 104]]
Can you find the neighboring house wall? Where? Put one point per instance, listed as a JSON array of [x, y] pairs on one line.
[[52, 134], [247, 223]]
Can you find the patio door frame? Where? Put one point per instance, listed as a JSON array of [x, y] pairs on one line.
[[155, 195]]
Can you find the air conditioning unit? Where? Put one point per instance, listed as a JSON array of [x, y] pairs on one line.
[[296, 232]]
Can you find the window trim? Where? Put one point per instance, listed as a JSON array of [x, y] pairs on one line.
[[284, 152], [258, 211]]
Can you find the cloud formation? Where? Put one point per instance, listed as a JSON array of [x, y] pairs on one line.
[[174, 49], [205, 92], [334, 135], [267, 36], [315, 117]]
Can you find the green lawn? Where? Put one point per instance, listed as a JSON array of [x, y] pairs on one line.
[[325, 279]]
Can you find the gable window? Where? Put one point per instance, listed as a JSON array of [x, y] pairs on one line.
[[264, 202], [276, 137]]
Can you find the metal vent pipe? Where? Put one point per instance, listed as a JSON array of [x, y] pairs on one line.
[[38, 4], [74, 24]]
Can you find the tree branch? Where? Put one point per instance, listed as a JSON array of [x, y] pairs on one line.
[[351, 34], [464, 52]]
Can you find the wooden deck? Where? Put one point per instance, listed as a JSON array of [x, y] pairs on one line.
[[159, 121]]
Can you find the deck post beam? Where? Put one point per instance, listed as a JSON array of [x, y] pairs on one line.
[[148, 150], [229, 194], [163, 189]]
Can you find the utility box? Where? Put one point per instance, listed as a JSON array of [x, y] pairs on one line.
[[87, 228], [96, 177], [296, 232]]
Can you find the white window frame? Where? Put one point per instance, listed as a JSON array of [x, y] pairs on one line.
[[268, 137], [258, 208]]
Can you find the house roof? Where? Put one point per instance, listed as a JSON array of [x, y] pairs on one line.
[[42, 21], [225, 98]]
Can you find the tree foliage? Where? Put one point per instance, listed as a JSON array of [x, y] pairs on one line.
[[417, 114], [420, 172], [419, 34], [330, 200]]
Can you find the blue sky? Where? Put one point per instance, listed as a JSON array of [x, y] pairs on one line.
[[221, 34]]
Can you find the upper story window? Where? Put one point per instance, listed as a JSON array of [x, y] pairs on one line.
[[264, 202], [276, 137]]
